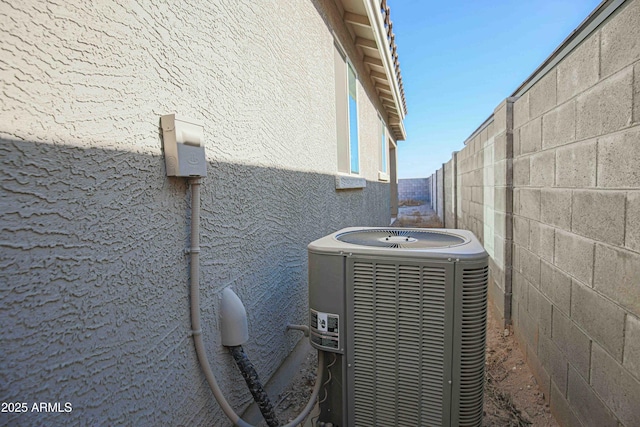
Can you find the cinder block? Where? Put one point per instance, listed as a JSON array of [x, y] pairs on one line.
[[500, 146], [632, 346], [619, 159], [556, 207], [559, 126], [498, 255], [572, 342], [579, 71], [466, 191], [542, 96], [606, 107], [529, 329], [632, 229], [574, 255], [543, 169], [547, 242], [586, 404], [519, 288], [500, 118], [534, 237], [500, 172], [496, 269], [521, 111], [576, 165], [599, 215], [521, 231], [554, 362], [636, 93], [491, 132], [560, 408], [531, 136], [477, 194], [540, 310], [521, 171], [617, 275], [516, 142], [619, 40], [499, 221], [599, 317], [500, 199], [615, 386], [496, 298], [530, 203], [530, 267], [556, 286], [539, 372]]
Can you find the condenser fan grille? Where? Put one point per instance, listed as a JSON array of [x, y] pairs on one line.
[[401, 238]]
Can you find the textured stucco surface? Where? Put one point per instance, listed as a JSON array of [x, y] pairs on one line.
[[94, 279]]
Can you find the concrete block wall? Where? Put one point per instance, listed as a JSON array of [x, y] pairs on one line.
[[483, 198], [440, 196], [433, 190], [414, 189], [550, 184], [576, 186], [449, 193]]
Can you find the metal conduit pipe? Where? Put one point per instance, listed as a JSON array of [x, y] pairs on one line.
[[197, 331]]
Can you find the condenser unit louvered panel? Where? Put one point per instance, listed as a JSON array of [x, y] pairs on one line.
[[472, 344], [405, 312], [400, 364], [433, 337]]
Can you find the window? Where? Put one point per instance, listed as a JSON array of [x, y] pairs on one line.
[[346, 114], [353, 122], [383, 147]]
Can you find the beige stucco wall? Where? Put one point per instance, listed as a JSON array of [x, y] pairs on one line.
[[94, 280]]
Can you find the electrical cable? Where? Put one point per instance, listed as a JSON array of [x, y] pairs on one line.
[[258, 392], [196, 328], [326, 383]]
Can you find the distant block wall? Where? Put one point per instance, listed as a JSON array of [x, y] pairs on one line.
[[414, 189]]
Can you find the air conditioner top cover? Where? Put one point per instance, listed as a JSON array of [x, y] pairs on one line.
[[433, 243]]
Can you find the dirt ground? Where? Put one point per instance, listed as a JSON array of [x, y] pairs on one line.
[[512, 396]]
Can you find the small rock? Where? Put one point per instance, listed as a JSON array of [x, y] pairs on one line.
[[506, 333]]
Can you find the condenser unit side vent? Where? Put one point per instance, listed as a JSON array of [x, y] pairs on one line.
[[472, 340]]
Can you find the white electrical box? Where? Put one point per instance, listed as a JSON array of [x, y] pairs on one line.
[[183, 141]]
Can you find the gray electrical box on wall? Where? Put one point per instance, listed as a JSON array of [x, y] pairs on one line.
[[183, 146]]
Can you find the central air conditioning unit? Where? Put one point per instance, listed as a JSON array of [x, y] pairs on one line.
[[403, 311]]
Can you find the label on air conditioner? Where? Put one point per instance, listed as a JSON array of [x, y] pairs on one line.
[[325, 330]]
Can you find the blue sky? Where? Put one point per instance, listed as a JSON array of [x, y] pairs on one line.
[[459, 60]]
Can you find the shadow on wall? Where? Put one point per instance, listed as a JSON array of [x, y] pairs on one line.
[[95, 305]]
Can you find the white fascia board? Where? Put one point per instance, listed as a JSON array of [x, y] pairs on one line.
[[380, 35]]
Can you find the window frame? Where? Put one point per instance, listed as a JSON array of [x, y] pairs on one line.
[[383, 140], [347, 123], [352, 68]]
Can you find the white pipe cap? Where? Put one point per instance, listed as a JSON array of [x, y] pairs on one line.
[[233, 320]]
